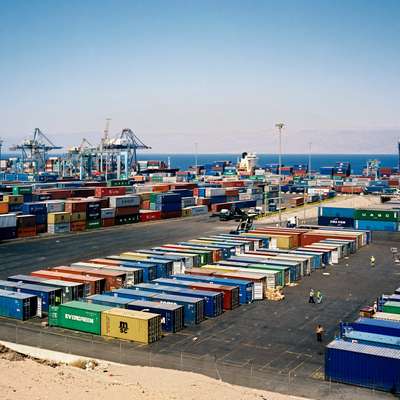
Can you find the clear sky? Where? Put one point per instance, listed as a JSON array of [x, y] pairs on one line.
[[219, 73]]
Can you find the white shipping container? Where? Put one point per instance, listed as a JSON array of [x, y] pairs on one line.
[[199, 210], [129, 200], [188, 201], [8, 220], [211, 192], [55, 206], [107, 213]]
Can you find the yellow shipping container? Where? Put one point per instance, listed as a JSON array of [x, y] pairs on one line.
[[136, 326], [78, 216], [281, 241], [132, 255], [186, 212], [58, 218], [13, 199]]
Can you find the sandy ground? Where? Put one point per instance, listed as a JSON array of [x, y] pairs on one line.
[[22, 378], [311, 211]]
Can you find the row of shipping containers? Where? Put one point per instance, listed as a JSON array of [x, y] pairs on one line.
[[384, 217], [367, 351]]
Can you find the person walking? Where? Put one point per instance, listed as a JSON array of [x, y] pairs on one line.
[[372, 261], [319, 331], [319, 297], [311, 299]]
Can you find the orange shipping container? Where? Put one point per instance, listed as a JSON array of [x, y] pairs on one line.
[[3, 207]]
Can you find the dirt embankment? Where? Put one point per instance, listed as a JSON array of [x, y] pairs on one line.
[[25, 378]]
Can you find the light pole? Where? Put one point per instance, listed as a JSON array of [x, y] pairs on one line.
[[280, 126], [309, 178], [195, 155]]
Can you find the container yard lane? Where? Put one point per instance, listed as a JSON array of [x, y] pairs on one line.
[[267, 344], [23, 256]]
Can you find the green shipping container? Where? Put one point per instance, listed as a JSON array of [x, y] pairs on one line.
[[93, 224], [377, 215], [78, 316], [392, 307], [17, 190], [118, 182]]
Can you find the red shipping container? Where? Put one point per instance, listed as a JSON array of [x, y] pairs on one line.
[[232, 192], [161, 188], [82, 192], [352, 189], [93, 284], [110, 191], [106, 222], [122, 211], [26, 232], [146, 215], [113, 279], [78, 226], [75, 205], [58, 194]]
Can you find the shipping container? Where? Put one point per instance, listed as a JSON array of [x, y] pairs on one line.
[[375, 225], [149, 270], [164, 267], [363, 365], [371, 325], [230, 298], [92, 285], [132, 275], [70, 290], [213, 302], [49, 295], [172, 315], [246, 289], [78, 316], [391, 307], [113, 279], [16, 305], [194, 308], [136, 326]]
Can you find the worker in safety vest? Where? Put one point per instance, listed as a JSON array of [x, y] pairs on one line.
[[372, 260]]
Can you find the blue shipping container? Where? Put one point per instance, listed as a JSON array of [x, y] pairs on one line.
[[50, 296], [149, 270], [212, 300], [389, 226], [172, 315], [336, 212], [194, 308], [246, 288], [363, 365], [20, 306], [372, 325]]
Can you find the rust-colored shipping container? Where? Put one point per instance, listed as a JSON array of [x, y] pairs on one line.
[[161, 188], [113, 279], [106, 222], [352, 189], [82, 192], [93, 285], [26, 232], [110, 191], [122, 211], [75, 206], [78, 226], [3, 207]]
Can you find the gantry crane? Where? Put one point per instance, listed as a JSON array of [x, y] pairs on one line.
[[34, 150]]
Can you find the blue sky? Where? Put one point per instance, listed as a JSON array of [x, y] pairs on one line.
[[219, 73]]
